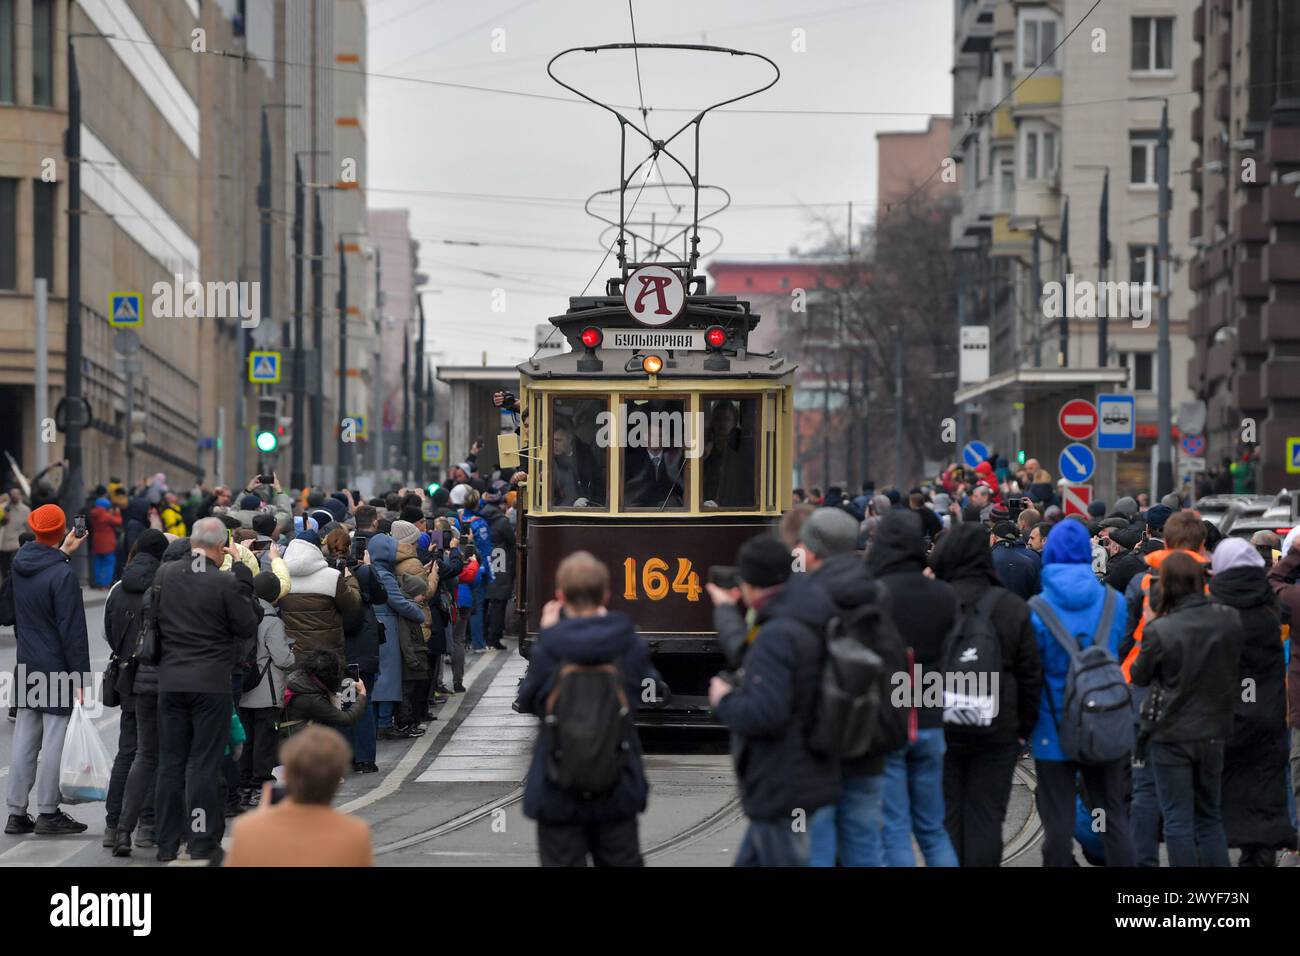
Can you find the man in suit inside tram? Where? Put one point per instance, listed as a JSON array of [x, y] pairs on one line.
[[655, 476]]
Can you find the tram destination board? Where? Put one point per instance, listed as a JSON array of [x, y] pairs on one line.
[[690, 339]]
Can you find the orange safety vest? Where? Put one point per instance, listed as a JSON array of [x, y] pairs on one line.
[[1154, 560]]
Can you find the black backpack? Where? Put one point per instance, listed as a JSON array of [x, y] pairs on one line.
[[589, 726], [854, 715], [972, 668]]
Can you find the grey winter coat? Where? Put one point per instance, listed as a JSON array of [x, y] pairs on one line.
[[274, 661]]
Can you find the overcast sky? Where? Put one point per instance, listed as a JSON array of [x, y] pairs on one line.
[[530, 163]]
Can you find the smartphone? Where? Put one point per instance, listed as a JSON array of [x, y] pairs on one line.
[[724, 576], [446, 540], [259, 546], [278, 793], [266, 479], [79, 525], [354, 671]]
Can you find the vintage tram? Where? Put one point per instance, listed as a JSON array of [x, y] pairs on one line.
[[719, 418], [659, 442]]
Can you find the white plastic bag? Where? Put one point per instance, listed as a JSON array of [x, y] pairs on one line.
[[85, 767]]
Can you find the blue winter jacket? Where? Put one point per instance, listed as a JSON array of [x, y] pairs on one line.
[[478, 527], [42, 599], [383, 554], [1076, 596]]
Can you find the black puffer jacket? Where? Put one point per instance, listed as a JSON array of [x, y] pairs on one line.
[[1254, 761], [502, 558], [362, 639], [769, 713], [1191, 655], [123, 612], [923, 609], [962, 558]]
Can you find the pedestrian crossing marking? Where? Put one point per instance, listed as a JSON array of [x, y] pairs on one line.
[[44, 851]]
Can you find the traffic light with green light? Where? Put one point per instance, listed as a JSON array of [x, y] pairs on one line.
[[1020, 456], [433, 487], [267, 436]]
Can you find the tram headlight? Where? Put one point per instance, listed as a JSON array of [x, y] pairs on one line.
[[652, 364]]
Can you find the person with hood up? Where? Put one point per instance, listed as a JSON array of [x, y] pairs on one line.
[[978, 764], [259, 704], [414, 639], [137, 739], [322, 600], [924, 611], [576, 629], [387, 692], [1190, 659], [1079, 601], [987, 476], [363, 651], [1255, 753], [42, 600], [104, 522]]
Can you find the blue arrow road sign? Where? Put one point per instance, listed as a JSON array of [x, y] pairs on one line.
[[974, 453], [1077, 462], [1116, 423]]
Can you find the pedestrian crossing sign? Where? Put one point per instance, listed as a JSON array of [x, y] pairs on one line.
[[124, 310], [432, 448], [1293, 455], [264, 368]]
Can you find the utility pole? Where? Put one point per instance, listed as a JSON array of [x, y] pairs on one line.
[[1164, 456], [297, 477], [1063, 256], [1036, 295], [418, 460], [73, 405], [318, 334], [42, 396], [345, 447], [1103, 256], [376, 427], [408, 473]]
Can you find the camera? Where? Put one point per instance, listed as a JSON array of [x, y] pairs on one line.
[[724, 576]]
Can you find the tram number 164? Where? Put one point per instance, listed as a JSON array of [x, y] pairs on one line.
[[654, 579]]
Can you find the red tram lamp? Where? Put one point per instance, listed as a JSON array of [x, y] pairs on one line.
[[591, 338], [715, 337]]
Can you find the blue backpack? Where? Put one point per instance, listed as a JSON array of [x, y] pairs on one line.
[[1096, 724]]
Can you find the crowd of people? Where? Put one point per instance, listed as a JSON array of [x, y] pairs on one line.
[[1148, 607], [257, 637], [235, 621]]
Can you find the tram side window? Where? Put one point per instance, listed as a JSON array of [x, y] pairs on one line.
[[579, 467], [656, 454], [730, 454]]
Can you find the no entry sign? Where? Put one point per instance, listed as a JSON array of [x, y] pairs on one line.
[[1078, 419]]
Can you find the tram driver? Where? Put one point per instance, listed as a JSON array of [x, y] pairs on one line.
[[655, 476]]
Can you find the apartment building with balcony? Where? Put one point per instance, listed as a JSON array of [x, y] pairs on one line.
[[1245, 227], [1043, 124]]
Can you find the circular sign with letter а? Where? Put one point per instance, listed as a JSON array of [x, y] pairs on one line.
[[654, 295]]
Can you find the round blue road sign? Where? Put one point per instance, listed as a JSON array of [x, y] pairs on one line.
[[1077, 462]]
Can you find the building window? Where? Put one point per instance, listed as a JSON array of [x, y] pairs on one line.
[[1038, 146], [8, 234], [1007, 176], [1141, 370], [1153, 45], [1142, 264], [1142, 158], [6, 51], [45, 207], [1038, 39], [43, 52]]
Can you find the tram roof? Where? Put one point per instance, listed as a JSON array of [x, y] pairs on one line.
[[700, 312]]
